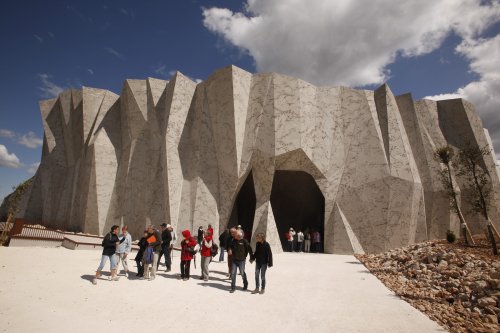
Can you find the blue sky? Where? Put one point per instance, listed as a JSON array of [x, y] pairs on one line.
[[49, 46]]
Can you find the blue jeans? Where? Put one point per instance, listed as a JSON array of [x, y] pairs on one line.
[[238, 264], [104, 259], [221, 257], [262, 268]]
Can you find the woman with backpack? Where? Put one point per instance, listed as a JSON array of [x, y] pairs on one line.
[[206, 254], [187, 252]]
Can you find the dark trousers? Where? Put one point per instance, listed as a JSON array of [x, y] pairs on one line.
[[238, 265], [229, 263], [260, 268], [185, 265], [140, 267], [165, 251], [290, 246]]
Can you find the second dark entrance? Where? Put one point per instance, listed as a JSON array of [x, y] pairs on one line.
[[297, 202]]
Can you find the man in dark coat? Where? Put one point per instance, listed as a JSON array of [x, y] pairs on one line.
[[239, 249], [166, 238]]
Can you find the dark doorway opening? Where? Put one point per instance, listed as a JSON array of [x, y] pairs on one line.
[[243, 211], [297, 202]]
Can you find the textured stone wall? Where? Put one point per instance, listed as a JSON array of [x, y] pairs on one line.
[[178, 152]]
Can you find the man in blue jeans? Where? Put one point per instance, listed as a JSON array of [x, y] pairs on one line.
[[239, 249]]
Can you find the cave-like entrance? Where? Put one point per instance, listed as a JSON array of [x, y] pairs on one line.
[[243, 211], [297, 202]]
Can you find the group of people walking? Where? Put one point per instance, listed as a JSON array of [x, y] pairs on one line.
[[307, 241], [155, 244]]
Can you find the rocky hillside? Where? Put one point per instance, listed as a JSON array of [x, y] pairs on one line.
[[455, 285]]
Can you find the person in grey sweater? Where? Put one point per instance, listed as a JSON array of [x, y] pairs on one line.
[[123, 250]]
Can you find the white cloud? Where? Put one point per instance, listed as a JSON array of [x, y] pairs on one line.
[[343, 41], [161, 69], [440, 97], [5, 133], [91, 72], [30, 140], [38, 38], [33, 168], [8, 160], [48, 88], [352, 42], [115, 53], [484, 57]]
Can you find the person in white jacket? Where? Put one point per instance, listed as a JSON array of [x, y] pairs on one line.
[[291, 235], [123, 250], [300, 240]]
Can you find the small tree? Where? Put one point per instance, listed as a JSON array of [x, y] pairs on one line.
[[13, 206], [445, 156], [470, 166]]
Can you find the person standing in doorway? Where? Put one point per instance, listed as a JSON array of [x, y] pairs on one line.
[[263, 257], [123, 250], [307, 241], [239, 250], [317, 241], [300, 240], [291, 235]]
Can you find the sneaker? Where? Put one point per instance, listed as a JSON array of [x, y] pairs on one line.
[[116, 278], [205, 280], [231, 291], [141, 278], [255, 291], [153, 277], [167, 270], [262, 291], [94, 281], [184, 279], [126, 274]]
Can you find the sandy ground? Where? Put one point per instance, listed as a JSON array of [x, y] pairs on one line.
[[49, 290]]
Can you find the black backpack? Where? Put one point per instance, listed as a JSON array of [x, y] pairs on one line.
[[214, 249]]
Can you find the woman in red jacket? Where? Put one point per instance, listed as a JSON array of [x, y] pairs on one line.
[[186, 255], [206, 255]]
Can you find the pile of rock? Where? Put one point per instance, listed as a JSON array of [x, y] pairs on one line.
[[457, 286]]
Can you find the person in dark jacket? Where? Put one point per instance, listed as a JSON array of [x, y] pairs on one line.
[[200, 235], [222, 244], [263, 258], [154, 241], [109, 244], [166, 239], [239, 250], [229, 241], [143, 243]]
